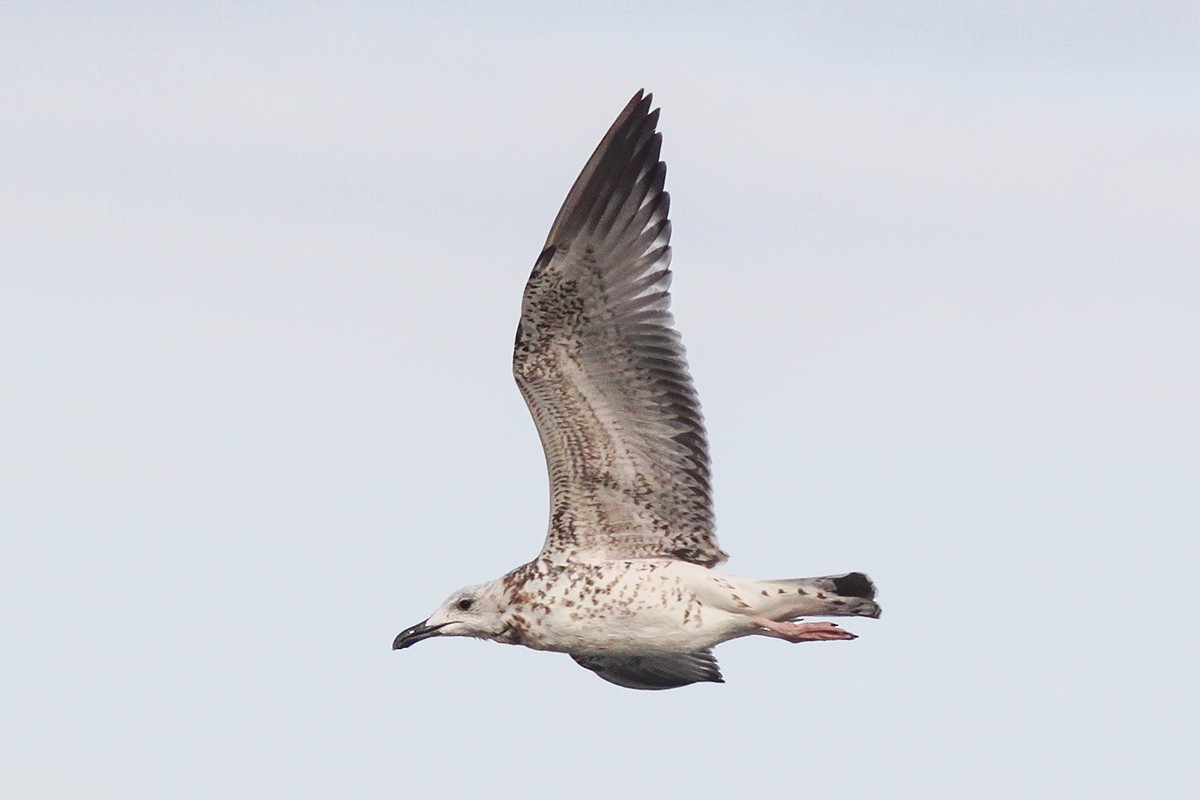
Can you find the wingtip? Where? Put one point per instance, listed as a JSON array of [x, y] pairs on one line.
[[642, 100]]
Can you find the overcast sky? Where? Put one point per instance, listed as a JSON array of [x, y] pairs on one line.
[[937, 267]]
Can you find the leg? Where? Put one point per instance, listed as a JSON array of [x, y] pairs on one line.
[[802, 631]]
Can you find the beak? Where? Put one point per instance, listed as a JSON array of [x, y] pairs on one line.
[[416, 633]]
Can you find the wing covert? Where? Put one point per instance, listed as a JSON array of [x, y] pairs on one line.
[[604, 372]]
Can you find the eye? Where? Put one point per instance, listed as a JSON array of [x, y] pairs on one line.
[[465, 604]]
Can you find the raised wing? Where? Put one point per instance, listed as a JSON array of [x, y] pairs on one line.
[[654, 671], [604, 372]]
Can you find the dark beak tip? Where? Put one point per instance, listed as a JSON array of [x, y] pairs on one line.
[[417, 633]]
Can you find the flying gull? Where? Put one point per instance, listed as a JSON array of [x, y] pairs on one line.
[[624, 582]]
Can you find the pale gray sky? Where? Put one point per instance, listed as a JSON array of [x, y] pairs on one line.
[[937, 272]]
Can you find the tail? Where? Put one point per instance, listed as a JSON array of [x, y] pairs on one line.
[[849, 595]]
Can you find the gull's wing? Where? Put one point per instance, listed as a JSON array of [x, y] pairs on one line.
[[654, 671], [603, 371]]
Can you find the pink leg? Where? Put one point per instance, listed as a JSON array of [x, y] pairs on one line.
[[802, 631]]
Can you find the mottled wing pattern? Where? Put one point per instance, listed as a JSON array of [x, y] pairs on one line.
[[654, 671], [603, 371]]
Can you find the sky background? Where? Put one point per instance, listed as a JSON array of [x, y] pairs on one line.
[[937, 267]]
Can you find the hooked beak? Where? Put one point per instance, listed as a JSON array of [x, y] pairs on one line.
[[416, 633]]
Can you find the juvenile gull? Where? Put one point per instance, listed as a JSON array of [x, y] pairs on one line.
[[624, 582]]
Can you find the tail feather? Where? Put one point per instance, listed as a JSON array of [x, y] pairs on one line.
[[849, 595], [854, 584]]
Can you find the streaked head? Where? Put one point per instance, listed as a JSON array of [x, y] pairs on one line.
[[474, 611]]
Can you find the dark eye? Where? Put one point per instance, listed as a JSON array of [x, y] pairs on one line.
[[465, 604]]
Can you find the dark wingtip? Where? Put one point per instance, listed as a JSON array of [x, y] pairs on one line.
[[854, 584]]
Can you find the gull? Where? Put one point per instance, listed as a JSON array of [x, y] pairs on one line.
[[625, 581]]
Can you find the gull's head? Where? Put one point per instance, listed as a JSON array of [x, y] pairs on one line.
[[474, 611]]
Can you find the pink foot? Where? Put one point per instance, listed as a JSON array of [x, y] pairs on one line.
[[804, 631]]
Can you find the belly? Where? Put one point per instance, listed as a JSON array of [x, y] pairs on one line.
[[617, 607]]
